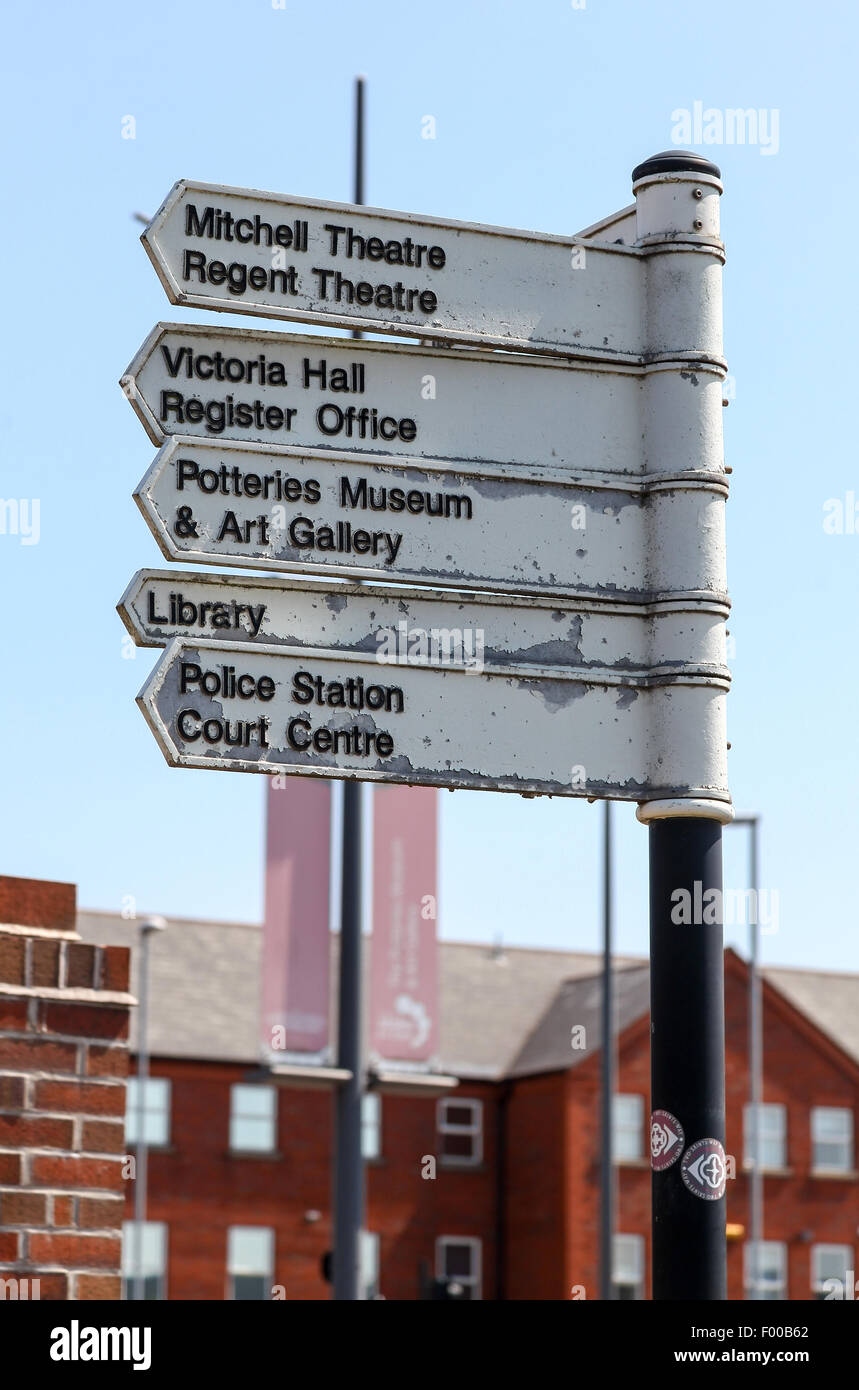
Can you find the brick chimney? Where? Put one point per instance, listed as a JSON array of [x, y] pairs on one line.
[[64, 1015]]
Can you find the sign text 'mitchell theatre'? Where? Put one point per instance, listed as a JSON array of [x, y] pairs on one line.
[[219, 224]]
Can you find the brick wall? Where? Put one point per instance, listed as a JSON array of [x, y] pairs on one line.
[[801, 1069], [535, 1208], [199, 1188], [64, 1014]]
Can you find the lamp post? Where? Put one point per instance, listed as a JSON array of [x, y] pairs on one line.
[[147, 927], [349, 1197], [607, 1079], [756, 1189]]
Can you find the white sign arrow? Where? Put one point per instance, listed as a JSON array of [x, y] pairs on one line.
[[421, 627], [386, 399], [527, 728], [525, 530], [247, 252]]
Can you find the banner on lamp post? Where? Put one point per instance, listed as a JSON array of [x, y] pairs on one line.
[[404, 1022], [296, 949]]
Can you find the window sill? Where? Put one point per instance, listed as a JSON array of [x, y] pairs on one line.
[[270, 1155], [834, 1174], [631, 1163], [154, 1148], [770, 1172]]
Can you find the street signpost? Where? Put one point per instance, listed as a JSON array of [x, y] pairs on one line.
[[527, 728], [246, 252], [531, 530], [542, 529]]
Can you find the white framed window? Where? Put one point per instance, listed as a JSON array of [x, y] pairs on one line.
[[459, 1259], [773, 1136], [627, 1117], [460, 1130], [832, 1268], [146, 1257], [831, 1139], [250, 1262], [767, 1274], [627, 1271], [155, 1091], [368, 1254], [253, 1118], [371, 1124]]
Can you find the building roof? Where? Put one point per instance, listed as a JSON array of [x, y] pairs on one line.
[[493, 1001], [578, 1004], [504, 1011], [205, 992], [829, 999]]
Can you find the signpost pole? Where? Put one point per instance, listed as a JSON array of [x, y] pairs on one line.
[[607, 1076], [348, 1160], [687, 1058], [677, 225]]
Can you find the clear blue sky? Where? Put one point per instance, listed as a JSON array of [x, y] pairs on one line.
[[541, 110]]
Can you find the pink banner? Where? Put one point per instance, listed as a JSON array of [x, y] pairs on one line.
[[295, 958], [404, 974]]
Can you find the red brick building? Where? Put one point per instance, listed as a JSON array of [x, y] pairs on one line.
[[495, 1183]]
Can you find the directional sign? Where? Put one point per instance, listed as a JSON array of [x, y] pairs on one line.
[[520, 530], [246, 252], [421, 627], [529, 728], [386, 399]]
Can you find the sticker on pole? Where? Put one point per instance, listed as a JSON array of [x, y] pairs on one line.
[[666, 1140], [704, 1169]]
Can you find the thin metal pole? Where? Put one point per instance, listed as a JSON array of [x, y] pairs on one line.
[[348, 1159], [687, 1056], [756, 1192], [359, 144], [607, 1075], [142, 1155]]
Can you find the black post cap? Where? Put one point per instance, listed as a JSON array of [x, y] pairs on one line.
[[674, 161]]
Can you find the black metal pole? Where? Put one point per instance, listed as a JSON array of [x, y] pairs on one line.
[[348, 1159], [687, 1059], [607, 1076], [359, 144]]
